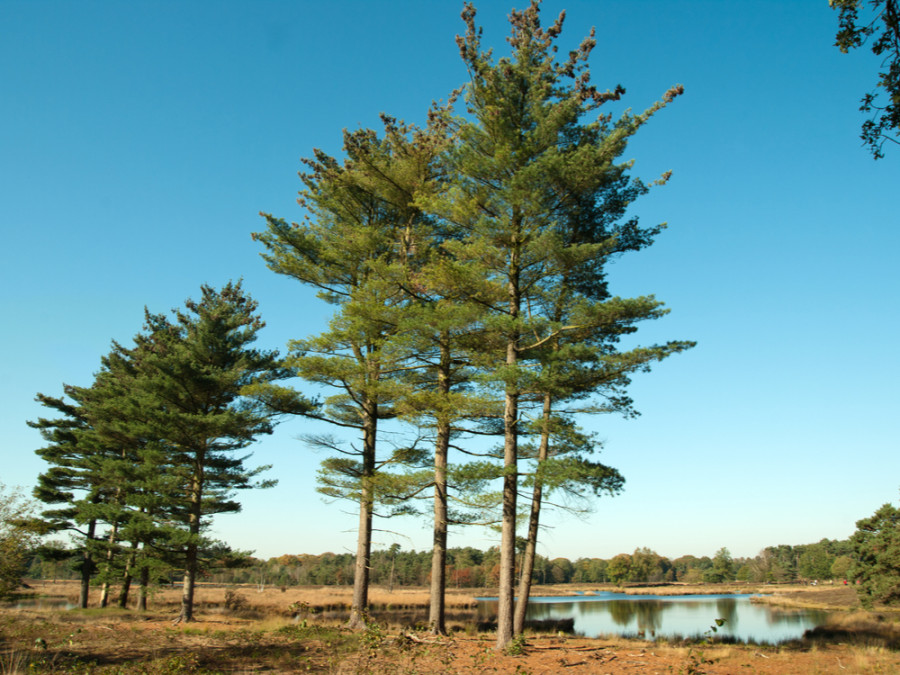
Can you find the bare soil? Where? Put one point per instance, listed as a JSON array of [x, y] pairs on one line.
[[248, 640]]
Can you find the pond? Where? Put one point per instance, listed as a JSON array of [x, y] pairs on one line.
[[669, 616], [39, 603]]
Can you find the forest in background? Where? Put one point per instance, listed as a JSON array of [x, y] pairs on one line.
[[469, 567]]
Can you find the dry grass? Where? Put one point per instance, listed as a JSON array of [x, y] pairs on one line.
[[861, 629], [128, 643], [399, 598], [13, 662], [322, 599], [272, 600], [826, 598], [678, 588]]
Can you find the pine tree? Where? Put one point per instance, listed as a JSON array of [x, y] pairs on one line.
[[72, 485], [524, 159], [438, 398], [436, 330], [104, 407], [359, 228], [144, 491], [194, 369]]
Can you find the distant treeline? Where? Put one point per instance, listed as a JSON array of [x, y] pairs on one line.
[[469, 567]]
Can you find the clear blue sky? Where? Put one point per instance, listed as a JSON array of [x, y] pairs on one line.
[[139, 141]]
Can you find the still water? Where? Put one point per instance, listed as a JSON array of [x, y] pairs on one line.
[[670, 616], [39, 603]]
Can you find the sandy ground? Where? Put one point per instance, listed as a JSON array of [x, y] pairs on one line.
[[123, 642], [35, 642]]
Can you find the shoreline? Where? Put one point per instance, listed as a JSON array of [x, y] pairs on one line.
[[313, 599]]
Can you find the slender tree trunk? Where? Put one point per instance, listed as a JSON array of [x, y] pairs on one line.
[[439, 549], [506, 596], [111, 544], [190, 567], [360, 602], [144, 589], [508, 526], [87, 565], [533, 524], [187, 589], [126, 576]]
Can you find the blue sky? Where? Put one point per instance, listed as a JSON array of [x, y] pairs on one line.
[[139, 141]]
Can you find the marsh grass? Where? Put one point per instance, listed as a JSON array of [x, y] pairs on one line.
[[860, 629], [822, 598]]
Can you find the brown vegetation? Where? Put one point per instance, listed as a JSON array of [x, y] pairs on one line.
[[273, 601], [255, 633]]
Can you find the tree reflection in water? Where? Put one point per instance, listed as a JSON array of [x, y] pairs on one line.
[[726, 608], [646, 613], [672, 616]]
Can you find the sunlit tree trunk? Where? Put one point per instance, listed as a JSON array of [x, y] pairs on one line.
[[533, 524], [510, 464], [439, 548], [360, 601]]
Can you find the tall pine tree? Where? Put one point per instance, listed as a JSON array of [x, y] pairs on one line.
[[524, 159], [359, 227]]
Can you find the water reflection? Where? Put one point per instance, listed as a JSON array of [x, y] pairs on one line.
[[39, 603], [726, 608], [671, 616]]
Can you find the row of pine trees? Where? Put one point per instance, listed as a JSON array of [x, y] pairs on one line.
[[140, 460], [466, 261]]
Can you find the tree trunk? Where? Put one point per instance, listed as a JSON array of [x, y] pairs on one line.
[[533, 524], [187, 590], [506, 596], [439, 549], [126, 576], [508, 527], [190, 566], [111, 543], [142, 593], [360, 602], [87, 565]]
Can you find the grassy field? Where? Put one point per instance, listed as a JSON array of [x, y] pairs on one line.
[[299, 630]]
